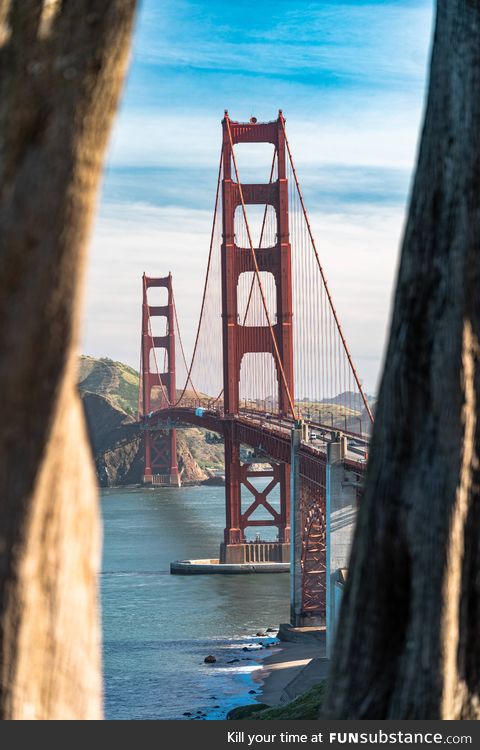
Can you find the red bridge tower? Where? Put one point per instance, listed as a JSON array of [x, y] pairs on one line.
[[239, 339], [160, 446]]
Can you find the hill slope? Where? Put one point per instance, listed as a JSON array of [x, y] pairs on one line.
[[109, 392], [111, 379]]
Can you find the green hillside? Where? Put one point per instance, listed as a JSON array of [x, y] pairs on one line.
[[118, 383], [114, 380]]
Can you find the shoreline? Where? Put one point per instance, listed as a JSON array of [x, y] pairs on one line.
[[237, 667], [276, 679], [280, 669]]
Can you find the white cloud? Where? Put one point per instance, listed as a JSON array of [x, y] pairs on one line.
[[379, 135], [359, 252], [358, 248], [131, 239]]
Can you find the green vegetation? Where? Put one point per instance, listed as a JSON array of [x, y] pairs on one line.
[[207, 455], [119, 384], [306, 706], [325, 412], [250, 711], [115, 380]]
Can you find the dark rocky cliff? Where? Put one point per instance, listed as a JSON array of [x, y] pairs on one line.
[[116, 441], [109, 391]]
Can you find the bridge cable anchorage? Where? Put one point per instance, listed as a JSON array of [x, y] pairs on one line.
[[257, 274], [324, 280], [205, 287]]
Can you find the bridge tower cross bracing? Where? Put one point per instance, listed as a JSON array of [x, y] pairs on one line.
[[239, 339], [160, 447]]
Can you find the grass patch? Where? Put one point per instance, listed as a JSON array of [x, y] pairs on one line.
[[306, 706]]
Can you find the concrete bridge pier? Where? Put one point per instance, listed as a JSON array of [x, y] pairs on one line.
[[342, 492], [296, 597]]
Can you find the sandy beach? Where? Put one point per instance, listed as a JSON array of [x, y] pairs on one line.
[[289, 671]]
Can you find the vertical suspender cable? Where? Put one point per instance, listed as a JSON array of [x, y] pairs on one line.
[[337, 322], [212, 235]]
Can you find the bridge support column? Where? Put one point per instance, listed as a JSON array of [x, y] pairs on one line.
[[233, 534], [160, 451], [238, 475], [308, 545], [296, 532], [240, 339], [341, 510], [160, 446]]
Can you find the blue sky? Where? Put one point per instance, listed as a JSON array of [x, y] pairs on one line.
[[350, 78]]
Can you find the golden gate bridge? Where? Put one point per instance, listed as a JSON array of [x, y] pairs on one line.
[[270, 369]]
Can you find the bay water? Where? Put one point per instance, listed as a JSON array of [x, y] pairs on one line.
[[158, 628]]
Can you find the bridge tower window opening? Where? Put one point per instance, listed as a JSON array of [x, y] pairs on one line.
[[159, 326], [256, 162], [251, 311], [158, 359], [158, 296], [258, 387], [262, 223]]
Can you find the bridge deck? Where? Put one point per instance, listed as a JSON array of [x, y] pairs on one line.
[[269, 437]]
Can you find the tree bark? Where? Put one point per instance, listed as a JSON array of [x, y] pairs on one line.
[[408, 644], [61, 69]]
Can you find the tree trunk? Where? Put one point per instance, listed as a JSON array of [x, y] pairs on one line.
[[61, 70], [408, 644]]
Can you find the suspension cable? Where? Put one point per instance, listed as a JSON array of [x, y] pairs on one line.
[[188, 379], [327, 290], [202, 308]]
